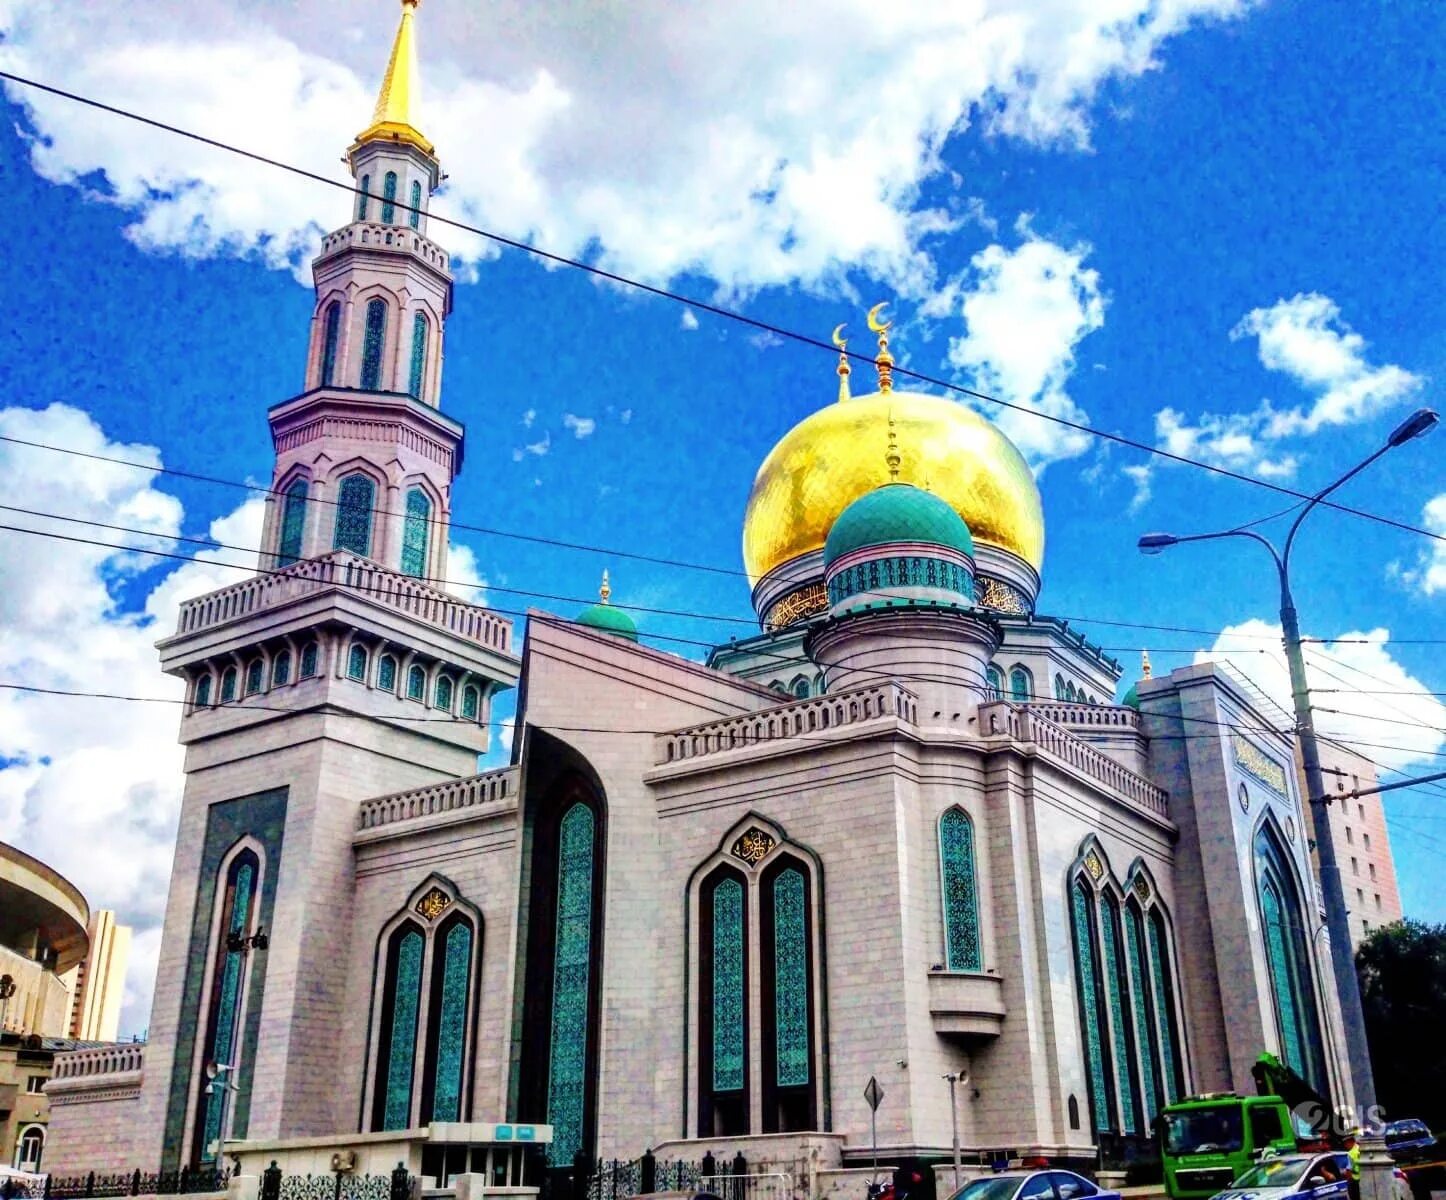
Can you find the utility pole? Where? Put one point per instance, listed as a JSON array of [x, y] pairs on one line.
[[955, 1077]]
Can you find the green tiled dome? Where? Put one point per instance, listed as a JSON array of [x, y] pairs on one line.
[[1132, 699], [609, 620], [896, 512]]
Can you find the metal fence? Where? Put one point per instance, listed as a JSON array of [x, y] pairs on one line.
[[728, 1179], [125, 1183]]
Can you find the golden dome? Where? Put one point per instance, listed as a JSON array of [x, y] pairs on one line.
[[834, 456]]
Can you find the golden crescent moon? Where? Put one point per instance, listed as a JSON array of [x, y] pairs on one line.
[[874, 323], [838, 339]]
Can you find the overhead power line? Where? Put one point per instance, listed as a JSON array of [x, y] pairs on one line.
[[713, 309]]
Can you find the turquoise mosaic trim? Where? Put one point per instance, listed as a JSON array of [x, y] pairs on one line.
[[729, 1048], [402, 1037], [329, 342], [572, 963], [961, 903], [1292, 1049], [1082, 910], [416, 216], [414, 533], [900, 572], [354, 503], [1120, 1031], [419, 355], [1164, 1008], [471, 698], [1141, 1008], [790, 979], [293, 522], [452, 1024], [361, 200], [389, 198], [223, 1045], [372, 341]]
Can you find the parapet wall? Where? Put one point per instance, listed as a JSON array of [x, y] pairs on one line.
[[94, 1110]]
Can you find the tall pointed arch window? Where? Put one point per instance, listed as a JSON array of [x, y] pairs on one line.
[[994, 682], [330, 334], [1163, 1008], [310, 657], [1117, 992], [416, 218], [1021, 685], [1143, 1011], [471, 701], [416, 531], [228, 685], [281, 669], [374, 338], [447, 1026], [354, 503], [293, 523], [419, 356], [203, 691], [786, 937], [389, 198], [237, 898], [1092, 1019], [363, 196], [723, 981], [401, 1004], [1284, 932], [571, 982], [356, 662], [416, 683], [962, 950]]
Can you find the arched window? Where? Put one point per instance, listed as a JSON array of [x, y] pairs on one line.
[[994, 682], [389, 198], [1147, 1038], [571, 987], [800, 688], [203, 691], [228, 685], [356, 662], [331, 331], [1059, 688], [419, 356], [1021, 685], [1117, 994], [355, 500], [254, 676], [387, 673], [309, 656], [416, 218], [361, 200], [373, 343], [443, 1092], [281, 669], [293, 524], [237, 896], [962, 950], [416, 530], [1163, 999], [443, 693], [29, 1149], [1284, 929], [416, 683], [723, 1013], [1092, 1023], [1069, 692], [397, 1046], [471, 702], [786, 937]]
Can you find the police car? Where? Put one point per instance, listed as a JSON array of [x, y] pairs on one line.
[[1293, 1177], [1033, 1185]]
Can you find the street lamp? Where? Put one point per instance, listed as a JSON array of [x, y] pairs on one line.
[[953, 1078], [1337, 918]]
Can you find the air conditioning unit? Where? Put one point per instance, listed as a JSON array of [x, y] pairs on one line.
[[343, 1160]]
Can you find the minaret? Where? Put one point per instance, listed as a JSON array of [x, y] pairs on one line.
[[339, 672]]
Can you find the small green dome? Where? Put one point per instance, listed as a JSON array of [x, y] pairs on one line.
[[1132, 699], [896, 512], [610, 620]]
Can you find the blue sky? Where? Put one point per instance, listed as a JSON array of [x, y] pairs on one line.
[[1086, 231]]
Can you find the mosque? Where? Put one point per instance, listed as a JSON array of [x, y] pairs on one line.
[[902, 833]]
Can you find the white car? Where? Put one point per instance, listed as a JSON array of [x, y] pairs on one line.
[[1293, 1177]]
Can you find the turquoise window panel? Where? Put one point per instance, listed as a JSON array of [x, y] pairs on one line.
[[402, 1036], [416, 217], [255, 673], [355, 500], [387, 674], [309, 656], [1119, 1028], [416, 684], [1288, 959], [373, 342], [994, 681], [363, 197], [1164, 998], [571, 980], [228, 685], [1278, 956], [443, 694], [729, 1000], [452, 1023], [203, 690], [356, 662], [471, 702], [1020, 685], [293, 523], [281, 669], [1143, 1012], [330, 336], [862, 578], [419, 355], [415, 531], [228, 1005], [389, 198], [1087, 977], [962, 950], [790, 978]]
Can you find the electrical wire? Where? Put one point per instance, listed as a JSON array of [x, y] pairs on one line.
[[713, 309]]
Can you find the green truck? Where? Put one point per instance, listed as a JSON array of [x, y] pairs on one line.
[[1206, 1141]]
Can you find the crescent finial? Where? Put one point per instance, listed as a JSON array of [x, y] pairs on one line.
[[874, 323], [838, 338]]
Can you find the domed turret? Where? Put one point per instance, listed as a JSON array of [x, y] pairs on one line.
[[603, 616]]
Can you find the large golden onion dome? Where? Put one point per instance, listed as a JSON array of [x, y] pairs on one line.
[[834, 456]]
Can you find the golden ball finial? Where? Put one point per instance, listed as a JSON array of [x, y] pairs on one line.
[[884, 361], [604, 593], [1145, 664]]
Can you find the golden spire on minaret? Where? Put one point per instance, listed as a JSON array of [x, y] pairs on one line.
[[605, 592], [883, 360], [893, 458], [1144, 664], [394, 118], [844, 370]]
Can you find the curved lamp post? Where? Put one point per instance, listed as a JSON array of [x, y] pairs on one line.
[[1348, 990]]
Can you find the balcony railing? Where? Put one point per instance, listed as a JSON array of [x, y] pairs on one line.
[[342, 569], [376, 236], [100, 1060], [439, 798], [1029, 723], [787, 721], [1087, 716]]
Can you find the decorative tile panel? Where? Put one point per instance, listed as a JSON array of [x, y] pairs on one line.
[[729, 1001], [433, 904], [790, 979]]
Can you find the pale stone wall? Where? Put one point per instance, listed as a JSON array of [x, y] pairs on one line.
[[94, 1100]]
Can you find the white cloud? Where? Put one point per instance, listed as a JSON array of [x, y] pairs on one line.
[[1142, 476], [1025, 310], [538, 448], [1306, 339], [581, 426], [464, 575], [622, 133], [95, 785], [1429, 573], [689, 319], [1397, 729], [528, 417]]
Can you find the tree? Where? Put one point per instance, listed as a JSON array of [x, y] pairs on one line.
[[1402, 970]]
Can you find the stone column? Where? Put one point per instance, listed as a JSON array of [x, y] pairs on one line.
[[1378, 1169]]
